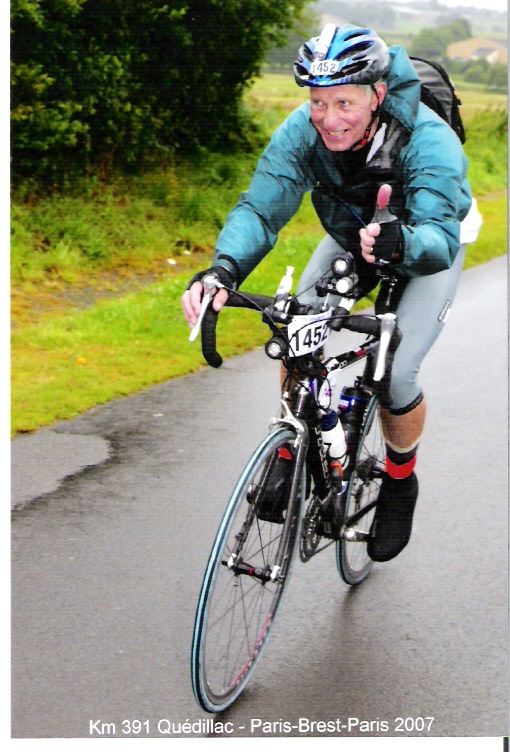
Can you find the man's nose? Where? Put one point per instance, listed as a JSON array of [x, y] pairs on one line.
[[330, 120]]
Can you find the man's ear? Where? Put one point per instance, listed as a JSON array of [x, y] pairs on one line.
[[381, 89]]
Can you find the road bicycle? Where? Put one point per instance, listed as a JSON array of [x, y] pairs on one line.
[[289, 497]]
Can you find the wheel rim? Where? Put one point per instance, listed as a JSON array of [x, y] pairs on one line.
[[239, 619], [363, 488], [237, 608]]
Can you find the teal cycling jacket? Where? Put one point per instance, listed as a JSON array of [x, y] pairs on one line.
[[414, 151]]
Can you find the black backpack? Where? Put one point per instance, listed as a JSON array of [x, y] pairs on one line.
[[438, 93]]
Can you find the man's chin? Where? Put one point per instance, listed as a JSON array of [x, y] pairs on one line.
[[334, 143]]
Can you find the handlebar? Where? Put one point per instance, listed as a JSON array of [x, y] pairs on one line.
[[382, 326], [251, 301]]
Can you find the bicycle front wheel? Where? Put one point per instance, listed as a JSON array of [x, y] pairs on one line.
[[354, 563], [243, 587]]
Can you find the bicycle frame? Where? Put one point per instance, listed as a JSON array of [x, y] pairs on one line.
[[278, 508], [303, 417]]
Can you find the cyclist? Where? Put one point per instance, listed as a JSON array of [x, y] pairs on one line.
[[363, 128]]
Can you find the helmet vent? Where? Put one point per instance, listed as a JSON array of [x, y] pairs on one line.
[[356, 33], [354, 50], [306, 52], [349, 70]]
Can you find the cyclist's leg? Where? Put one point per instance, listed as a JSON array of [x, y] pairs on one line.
[[422, 312], [318, 266]]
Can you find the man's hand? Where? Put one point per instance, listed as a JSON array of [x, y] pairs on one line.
[[191, 301], [368, 236], [381, 241]]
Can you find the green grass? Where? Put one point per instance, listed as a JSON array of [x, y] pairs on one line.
[[73, 361], [79, 339], [137, 222]]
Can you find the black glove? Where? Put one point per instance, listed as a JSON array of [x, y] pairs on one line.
[[223, 275], [388, 244]]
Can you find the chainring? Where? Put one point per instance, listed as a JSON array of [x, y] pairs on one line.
[[310, 537]]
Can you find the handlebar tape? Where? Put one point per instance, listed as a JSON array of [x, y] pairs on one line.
[[247, 300], [212, 357], [251, 301], [362, 324]]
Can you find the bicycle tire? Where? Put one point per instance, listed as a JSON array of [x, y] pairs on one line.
[[236, 611], [353, 561]]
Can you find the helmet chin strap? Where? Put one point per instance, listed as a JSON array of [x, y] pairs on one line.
[[363, 141]]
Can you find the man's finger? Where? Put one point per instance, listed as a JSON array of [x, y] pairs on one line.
[[373, 229], [383, 196], [220, 299]]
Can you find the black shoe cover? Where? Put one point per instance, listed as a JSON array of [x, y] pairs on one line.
[[393, 520]]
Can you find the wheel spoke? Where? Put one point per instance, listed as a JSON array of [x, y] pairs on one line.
[[239, 602]]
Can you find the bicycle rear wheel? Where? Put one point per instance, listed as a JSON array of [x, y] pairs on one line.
[[242, 588], [354, 563]]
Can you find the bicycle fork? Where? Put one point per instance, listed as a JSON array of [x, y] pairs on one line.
[[301, 446], [279, 566]]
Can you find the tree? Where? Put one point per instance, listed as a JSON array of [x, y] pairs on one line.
[[432, 43], [122, 80], [282, 56]]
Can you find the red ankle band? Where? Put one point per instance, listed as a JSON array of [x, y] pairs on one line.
[[399, 472]]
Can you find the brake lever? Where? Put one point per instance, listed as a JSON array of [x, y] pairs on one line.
[[209, 283], [388, 323]]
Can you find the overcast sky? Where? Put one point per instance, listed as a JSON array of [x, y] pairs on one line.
[[489, 4]]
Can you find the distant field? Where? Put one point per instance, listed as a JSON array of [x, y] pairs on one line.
[[277, 91], [474, 100], [280, 92]]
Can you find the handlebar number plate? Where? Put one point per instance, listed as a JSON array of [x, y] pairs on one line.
[[308, 333]]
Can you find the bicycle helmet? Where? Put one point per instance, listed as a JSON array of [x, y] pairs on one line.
[[342, 55]]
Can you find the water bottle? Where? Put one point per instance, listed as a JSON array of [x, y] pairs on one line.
[[284, 288], [333, 436], [352, 404]]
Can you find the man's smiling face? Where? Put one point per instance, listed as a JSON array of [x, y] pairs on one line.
[[341, 114]]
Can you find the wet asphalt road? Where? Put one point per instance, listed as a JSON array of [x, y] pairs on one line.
[[107, 564]]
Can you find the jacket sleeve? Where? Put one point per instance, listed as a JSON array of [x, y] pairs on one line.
[[273, 197], [437, 196]]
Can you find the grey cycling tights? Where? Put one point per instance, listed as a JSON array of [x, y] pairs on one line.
[[422, 312]]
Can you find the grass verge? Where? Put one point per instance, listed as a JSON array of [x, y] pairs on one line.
[[96, 304], [80, 359]]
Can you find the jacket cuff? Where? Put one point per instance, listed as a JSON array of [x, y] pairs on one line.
[[231, 265]]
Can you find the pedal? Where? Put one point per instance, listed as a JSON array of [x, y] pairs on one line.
[[353, 535]]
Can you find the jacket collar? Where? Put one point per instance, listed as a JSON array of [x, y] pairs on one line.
[[403, 96]]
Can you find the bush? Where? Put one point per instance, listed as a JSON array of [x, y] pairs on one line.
[[493, 77], [116, 82], [486, 148]]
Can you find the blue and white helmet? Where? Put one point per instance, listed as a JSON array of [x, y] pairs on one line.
[[342, 55]]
